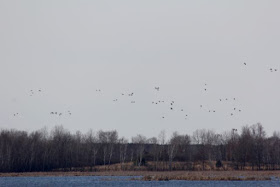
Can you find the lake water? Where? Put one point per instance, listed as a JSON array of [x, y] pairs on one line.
[[117, 181]]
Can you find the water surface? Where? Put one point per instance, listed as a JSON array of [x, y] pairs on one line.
[[120, 181]]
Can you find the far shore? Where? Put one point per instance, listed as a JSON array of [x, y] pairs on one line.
[[166, 175]]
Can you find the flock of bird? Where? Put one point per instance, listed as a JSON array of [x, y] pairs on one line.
[[60, 113], [32, 92], [170, 104], [172, 107], [272, 70]]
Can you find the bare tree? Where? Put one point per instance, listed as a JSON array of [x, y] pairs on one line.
[[139, 142], [155, 150], [172, 147], [161, 142], [107, 139], [123, 143], [259, 137], [92, 148], [205, 139], [245, 146], [113, 138]]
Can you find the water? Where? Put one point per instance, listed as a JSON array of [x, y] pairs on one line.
[[118, 181]]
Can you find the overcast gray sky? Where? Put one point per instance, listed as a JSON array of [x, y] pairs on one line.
[[68, 49]]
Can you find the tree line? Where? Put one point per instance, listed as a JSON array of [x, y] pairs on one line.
[[59, 149]]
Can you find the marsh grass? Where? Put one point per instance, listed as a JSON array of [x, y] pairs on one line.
[[114, 170]]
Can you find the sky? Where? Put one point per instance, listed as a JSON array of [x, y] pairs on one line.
[[69, 49]]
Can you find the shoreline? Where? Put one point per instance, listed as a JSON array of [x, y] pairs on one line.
[[164, 175]]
